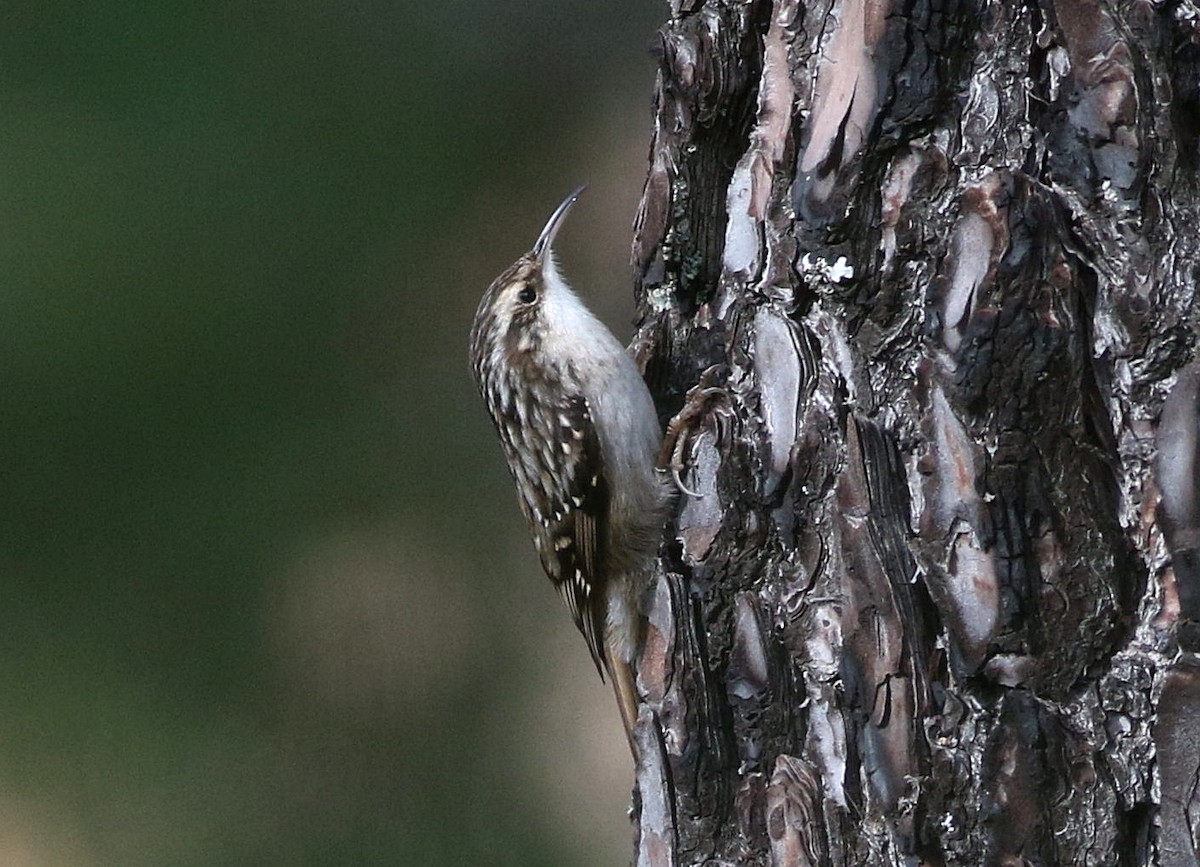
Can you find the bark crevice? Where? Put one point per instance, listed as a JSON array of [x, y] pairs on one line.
[[917, 286]]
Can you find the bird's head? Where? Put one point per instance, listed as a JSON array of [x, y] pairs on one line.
[[510, 321]]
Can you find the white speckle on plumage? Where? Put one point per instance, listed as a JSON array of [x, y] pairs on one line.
[[553, 375]]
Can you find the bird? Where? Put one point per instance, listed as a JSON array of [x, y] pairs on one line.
[[581, 436]]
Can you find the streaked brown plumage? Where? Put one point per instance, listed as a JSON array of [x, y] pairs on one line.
[[581, 437]]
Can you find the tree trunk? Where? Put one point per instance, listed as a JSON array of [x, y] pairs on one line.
[[917, 283]]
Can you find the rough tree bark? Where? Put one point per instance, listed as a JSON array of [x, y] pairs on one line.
[[925, 274]]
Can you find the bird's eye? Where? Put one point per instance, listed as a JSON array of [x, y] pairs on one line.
[[527, 295]]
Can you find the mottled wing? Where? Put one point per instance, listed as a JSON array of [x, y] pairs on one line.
[[574, 556], [565, 498]]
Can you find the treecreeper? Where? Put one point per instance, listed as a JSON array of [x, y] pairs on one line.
[[581, 437]]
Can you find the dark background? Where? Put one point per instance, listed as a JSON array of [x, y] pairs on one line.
[[265, 595]]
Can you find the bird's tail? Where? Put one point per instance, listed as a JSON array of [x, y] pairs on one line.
[[621, 674]]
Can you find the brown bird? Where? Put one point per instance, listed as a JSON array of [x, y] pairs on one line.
[[581, 437]]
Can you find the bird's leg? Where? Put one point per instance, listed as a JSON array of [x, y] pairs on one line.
[[675, 442]]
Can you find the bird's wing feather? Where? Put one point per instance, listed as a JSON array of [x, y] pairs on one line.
[[570, 540]]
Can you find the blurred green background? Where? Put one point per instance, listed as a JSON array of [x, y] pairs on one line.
[[265, 595]]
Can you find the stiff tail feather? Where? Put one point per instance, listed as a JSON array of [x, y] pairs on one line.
[[622, 677]]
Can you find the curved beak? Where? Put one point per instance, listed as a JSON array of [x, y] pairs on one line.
[[554, 224]]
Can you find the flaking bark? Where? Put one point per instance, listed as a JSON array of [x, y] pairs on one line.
[[921, 277]]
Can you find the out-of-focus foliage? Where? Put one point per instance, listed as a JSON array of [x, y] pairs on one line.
[[265, 597]]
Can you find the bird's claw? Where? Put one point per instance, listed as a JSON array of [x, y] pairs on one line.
[[675, 442]]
